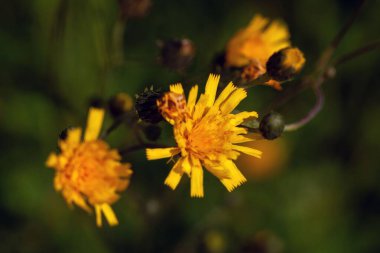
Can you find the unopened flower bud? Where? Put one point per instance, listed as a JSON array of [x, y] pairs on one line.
[[176, 54], [120, 104], [272, 126], [96, 102], [134, 8], [146, 105], [285, 64]]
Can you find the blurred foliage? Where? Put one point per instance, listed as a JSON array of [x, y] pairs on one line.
[[56, 55]]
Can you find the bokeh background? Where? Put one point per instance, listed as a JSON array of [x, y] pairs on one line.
[[315, 190]]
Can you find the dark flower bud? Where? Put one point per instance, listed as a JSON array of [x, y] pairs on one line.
[[96, 102], [146, 105], [272, 126], [176, 54], [134, 8], [285, 64], [120, 104], [152, 132]]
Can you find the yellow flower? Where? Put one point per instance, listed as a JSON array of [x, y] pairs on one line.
[[257, 42], [206, 133], [88, 172]]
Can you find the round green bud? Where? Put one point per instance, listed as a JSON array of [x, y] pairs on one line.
[[272, 125]]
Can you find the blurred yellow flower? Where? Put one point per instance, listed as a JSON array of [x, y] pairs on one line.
[[88, 172], [257, 42], [206, 133]]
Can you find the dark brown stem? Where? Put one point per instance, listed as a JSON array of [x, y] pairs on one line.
[[139, 146], [312, 113], [357, 52], [339, 37]]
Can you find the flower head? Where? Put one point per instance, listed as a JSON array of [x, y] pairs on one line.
[[257, 42], [88, 172], [206, 133]]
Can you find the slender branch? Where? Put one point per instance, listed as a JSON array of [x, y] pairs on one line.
[[118, 41], [339, 37], [139, 146], [357, 52], [312, 113], [116, 124]]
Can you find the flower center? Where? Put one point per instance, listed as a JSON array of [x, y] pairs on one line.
[[92, 172], [208, 138]]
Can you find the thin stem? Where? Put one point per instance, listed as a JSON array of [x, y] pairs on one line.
[[312, 113], [118, 121], [339, 37], [139, 146], [357, 52], [118, 41]]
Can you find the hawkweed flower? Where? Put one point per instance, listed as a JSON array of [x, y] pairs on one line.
[[89, 173], [207, 134], [255, 43]]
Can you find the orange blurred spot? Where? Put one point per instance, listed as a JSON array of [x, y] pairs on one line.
[[274, 159]]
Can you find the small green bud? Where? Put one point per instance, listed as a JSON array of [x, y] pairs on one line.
[[272, 126]]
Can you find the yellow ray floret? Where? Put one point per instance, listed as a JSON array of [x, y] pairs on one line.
[[88, 172], [257, 42], [207, 135]]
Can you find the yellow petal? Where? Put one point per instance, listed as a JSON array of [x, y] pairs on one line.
[[218, 171], [240, 139], [175, 175], [211, 87], [74, 135], [94, 123], [236, 178], [176, 88], [109, 214], [159, 153], [233, 100], [257, 23], [192, 98], [196, 188], [200, 107], [186, 165], [240, 117], [52, 160], [248, 150], [225, 93], [98, 214]]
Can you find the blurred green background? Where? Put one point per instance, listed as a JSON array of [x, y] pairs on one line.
[[316, 191]]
